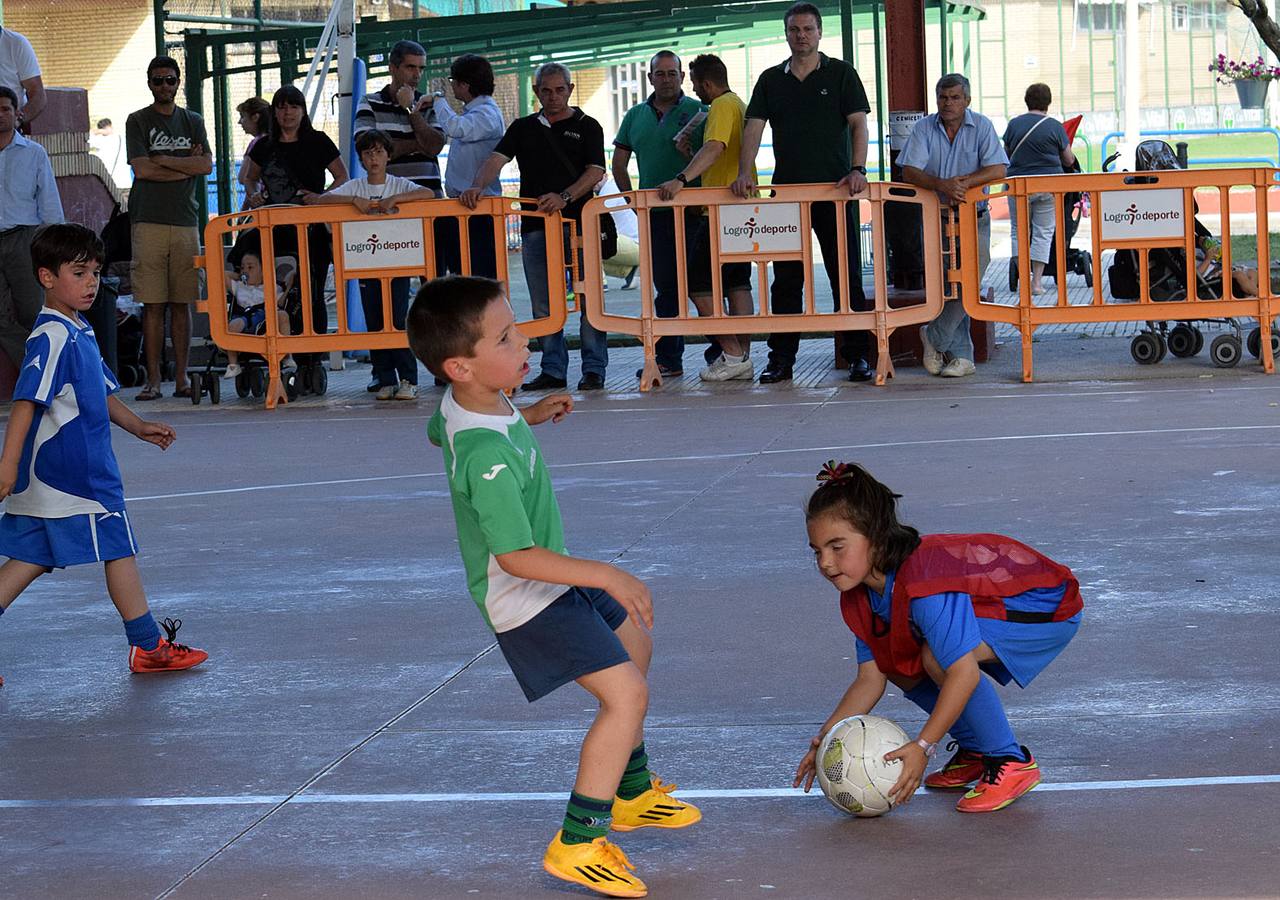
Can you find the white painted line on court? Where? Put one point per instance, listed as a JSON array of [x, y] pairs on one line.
[[715, 457], [1135, 784]]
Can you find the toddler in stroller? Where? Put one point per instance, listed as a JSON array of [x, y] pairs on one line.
[[1168, 282], [248, 306]]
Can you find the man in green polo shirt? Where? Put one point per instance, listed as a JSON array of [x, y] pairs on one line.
[[818, 110], [650, 130]]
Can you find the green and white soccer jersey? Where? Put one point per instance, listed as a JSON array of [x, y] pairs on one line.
[[502, 501]]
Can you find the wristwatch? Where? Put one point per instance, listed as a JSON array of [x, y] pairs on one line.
[[862, 169], [566, 197], [680, 178], [928, 748]]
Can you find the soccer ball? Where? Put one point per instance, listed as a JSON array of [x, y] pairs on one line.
[[851, 767]]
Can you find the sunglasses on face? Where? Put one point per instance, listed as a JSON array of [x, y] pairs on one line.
[[170, 80]]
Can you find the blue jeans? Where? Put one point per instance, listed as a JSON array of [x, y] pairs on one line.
[[389, 366], [555, 352], [949, 332]]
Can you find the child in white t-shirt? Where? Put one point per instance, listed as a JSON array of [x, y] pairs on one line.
[[248, 311], [378, 193]]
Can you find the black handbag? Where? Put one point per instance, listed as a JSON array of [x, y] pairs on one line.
[[608, 228]]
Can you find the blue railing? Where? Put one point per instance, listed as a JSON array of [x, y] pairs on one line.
[[1212, 160]]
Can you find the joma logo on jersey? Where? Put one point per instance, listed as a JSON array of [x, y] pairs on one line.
[[493, 473]]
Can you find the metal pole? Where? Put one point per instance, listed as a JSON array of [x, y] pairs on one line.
[[846, 30], [159, 15], [881, 111], [257, 51], [1132, 85]]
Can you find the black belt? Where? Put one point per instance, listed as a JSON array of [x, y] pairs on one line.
[[4, 231], [1028, 618]]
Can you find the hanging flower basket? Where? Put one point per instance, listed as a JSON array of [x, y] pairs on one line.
[[1251, 78], [1252, 93]]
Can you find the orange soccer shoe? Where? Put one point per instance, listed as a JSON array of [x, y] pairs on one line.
[[964, 768], [168, 656], [655, 808], [1004, 779], [599, 866]]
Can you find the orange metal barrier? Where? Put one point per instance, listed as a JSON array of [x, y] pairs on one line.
[[1144, 212], [767, 229], [380, 247]]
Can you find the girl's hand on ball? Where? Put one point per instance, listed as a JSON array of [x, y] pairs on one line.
[[808, 768], [914, 761]]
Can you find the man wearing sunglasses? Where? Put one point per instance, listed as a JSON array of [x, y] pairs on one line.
[[169, 153]]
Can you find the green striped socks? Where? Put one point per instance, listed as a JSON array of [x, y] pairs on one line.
[[586, 819], [636, 779]]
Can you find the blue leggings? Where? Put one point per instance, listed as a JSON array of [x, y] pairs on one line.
[[982, 727]]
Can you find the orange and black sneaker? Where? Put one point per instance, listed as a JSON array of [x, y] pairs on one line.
[[599, 865], [964, 768], [655, 808], [168, 656], [1004, 779]]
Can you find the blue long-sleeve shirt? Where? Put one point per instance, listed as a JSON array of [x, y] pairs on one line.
[[28, 191], [472, 136]]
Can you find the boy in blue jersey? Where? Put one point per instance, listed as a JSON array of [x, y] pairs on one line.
[[557, 618], [64, 500]]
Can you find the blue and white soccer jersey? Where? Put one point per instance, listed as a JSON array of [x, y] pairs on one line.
[[67, 506]]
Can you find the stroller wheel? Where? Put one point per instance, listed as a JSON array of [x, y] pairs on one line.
[[1013, 275], [1225, 351], [197, 388], [1199, 340], [318, 379], [215, 389], [126, 377], [290, 385], [1086, 268], [257, 381], [1182, 341], [1147, 348], [242, 385]]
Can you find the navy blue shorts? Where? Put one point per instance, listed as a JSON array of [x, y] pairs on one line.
[[572, 637], [254, 318]]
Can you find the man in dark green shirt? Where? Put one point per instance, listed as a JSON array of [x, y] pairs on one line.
[[818, 111]]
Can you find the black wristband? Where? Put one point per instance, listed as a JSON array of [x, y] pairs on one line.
[[680, 178], [862, 169]]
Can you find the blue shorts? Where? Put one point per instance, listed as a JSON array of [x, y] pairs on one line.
[[572, 637], [254, 317], [68, 541]]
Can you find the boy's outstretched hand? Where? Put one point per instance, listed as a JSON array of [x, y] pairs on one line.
[[8, 477], [157, 433], [554, 407], [914, 762], [808, 768]]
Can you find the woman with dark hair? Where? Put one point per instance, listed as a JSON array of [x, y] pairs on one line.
[[472, 135], [255, 119], [291, 165]]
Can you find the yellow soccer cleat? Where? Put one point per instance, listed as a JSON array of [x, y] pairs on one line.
[[655, 808], [599, 865]]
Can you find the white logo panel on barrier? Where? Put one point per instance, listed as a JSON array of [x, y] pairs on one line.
[[1129, 215], [760, 228], [384, 244]]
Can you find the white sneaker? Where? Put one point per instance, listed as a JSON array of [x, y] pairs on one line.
[[386, 392], [232, 371], [931, 358], [406, 391], [724, 369], [958, 368]]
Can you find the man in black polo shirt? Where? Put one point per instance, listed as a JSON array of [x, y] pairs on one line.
[[816, 105], [560, 152]]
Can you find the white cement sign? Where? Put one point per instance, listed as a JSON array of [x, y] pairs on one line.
[[900, 124], [760, 228], [1129, 215], [382, 244]]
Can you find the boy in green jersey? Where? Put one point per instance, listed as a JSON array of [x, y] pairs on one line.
[[557, 618]]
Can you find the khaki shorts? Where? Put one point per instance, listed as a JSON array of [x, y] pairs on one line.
[[162, 270]]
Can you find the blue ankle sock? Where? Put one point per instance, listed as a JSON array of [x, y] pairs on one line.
[[143, 632], [985, 719], [925, 696]]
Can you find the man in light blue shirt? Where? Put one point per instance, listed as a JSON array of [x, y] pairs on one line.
[[949, 152], [28, 199], [472, 135]]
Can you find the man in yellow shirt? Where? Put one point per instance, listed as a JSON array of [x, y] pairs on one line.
[[717, 164]]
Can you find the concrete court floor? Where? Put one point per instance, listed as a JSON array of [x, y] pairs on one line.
[[353, 728]]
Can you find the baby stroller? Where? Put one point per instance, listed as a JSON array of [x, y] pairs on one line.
[[1167, 273], [252, 381], [1073, 205]]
